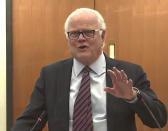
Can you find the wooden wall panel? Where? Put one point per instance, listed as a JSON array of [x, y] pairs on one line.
[[38, 39], [139, 28]]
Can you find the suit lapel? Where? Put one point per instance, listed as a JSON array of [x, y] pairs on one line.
[[110, 100], [66, 77], [110, 63], [64, 89], [67, 67]]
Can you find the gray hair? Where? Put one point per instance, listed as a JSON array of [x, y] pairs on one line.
[[101, 22]]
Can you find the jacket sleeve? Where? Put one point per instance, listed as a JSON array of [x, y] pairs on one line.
[[33, 110], [149, 97]]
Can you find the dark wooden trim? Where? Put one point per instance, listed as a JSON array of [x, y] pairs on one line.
[[9, 63]]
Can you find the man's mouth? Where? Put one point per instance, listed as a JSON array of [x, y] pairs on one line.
[[82, 47]]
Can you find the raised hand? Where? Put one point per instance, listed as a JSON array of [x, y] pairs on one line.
[[122, 87]]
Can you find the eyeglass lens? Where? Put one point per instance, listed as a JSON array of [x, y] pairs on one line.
[[85, 33]]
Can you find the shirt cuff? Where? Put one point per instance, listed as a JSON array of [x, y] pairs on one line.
[[135, 99]]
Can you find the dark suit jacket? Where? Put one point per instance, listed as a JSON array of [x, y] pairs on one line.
[[51, 93]]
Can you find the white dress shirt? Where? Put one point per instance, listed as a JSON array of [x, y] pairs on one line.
[[98, 95]]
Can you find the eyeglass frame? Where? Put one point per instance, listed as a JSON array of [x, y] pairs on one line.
[[83, 34]]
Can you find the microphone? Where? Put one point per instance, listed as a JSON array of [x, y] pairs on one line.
[[149, 110], [39, 120]]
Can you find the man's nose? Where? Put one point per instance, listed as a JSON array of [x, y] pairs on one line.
[[81, 37]]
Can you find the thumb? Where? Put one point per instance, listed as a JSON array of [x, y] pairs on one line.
[[109, 90]]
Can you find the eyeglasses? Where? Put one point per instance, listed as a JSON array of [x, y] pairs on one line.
[[73, 35]]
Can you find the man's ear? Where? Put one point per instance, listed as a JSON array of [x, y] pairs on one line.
[[103, 34]]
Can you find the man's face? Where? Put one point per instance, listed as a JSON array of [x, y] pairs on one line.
[[89, 45]]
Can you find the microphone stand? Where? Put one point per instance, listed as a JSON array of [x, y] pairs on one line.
[[39, 120]]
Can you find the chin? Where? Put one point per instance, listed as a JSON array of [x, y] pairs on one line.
[[87, 59], [84, 59], [85, 55]]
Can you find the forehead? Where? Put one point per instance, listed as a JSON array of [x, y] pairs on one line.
[[83, 20]]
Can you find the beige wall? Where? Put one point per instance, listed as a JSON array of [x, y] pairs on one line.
[[2, 65]]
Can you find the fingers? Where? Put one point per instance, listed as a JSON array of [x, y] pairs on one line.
[[117, 75], [130, 83], [122, 86], [112, 75], [109, 90], [123, 76]]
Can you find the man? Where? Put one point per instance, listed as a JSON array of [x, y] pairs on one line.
[[90, 91]]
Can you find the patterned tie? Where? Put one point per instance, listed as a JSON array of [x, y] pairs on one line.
[[82, 116]]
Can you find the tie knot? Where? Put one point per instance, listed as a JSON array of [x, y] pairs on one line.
[[86, 69]]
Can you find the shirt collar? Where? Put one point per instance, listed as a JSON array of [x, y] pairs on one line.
[[99, 66], [77, 67]]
